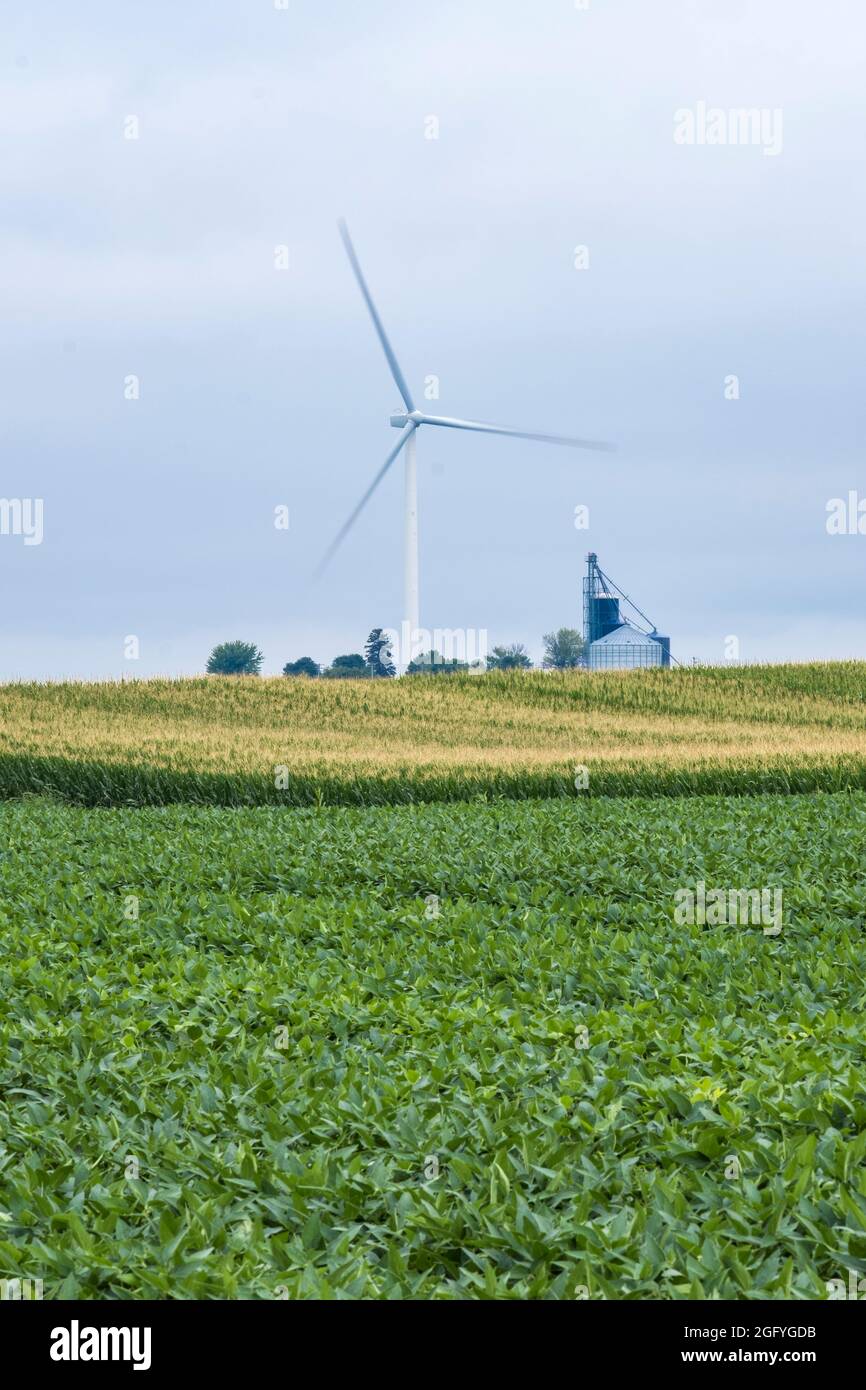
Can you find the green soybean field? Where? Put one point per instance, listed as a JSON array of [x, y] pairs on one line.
[[432, 1051]]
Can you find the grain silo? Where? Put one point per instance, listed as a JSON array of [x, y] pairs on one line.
[[600, 606], [614, 642], [623, 648]]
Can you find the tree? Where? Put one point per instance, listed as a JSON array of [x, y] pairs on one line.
[[347, 667], [433, 663], [378, 654], [563, 648], [235, 659], [304, 666], [514, 657]]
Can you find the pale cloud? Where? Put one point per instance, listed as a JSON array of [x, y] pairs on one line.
[[258, 128]]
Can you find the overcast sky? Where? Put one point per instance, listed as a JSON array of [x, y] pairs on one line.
[[262, 387]]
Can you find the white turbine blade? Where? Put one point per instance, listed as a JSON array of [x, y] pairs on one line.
[[479, 426], [344, 530], [377, 322]]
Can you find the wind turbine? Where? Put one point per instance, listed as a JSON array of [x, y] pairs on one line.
[[409, 422]]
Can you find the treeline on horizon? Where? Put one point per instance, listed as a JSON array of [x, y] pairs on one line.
[[563, 650]]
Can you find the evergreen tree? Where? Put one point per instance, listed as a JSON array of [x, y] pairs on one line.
[[377, 653]]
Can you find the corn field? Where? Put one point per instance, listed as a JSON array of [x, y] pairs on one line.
[[247, 741]]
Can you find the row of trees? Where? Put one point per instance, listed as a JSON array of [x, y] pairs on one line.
[[562, 649], [376, 661]]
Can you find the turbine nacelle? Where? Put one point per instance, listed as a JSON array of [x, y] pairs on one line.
[[401, 418]]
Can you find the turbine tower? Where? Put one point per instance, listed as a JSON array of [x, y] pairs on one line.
[[409, 421]]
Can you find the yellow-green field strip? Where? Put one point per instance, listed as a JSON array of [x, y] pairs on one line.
[[298, 742]]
